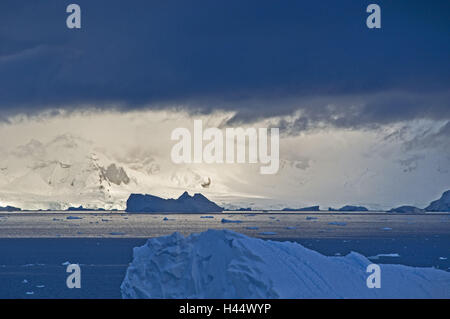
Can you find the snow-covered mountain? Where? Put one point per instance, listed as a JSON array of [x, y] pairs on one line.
[[71, 171], [57, 174]]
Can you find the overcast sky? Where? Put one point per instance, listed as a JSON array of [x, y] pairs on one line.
[[312, 68], [231, 54]]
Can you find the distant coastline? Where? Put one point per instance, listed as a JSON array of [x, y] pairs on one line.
[[198, 204]]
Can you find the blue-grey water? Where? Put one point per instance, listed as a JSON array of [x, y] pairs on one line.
[[34, 246]]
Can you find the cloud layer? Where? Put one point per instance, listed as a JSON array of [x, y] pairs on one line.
[[405, 163], [255, 58]]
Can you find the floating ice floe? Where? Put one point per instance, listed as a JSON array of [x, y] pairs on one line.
[[337, 223], [230, 221], [267, 233], [226, 264]]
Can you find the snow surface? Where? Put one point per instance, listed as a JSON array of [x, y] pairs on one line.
[[384, 255], [226, 264], [440, 205]]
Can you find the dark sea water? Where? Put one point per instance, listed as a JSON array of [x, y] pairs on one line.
[[34, 246]]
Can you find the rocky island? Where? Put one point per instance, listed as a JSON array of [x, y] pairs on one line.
[[349, 208], [440, 205], [304, 209], [139, 203], [407, 210]]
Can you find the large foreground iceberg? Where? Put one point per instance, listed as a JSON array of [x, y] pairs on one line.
[[225, 264]]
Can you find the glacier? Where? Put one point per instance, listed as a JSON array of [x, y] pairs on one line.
[[226, 264]]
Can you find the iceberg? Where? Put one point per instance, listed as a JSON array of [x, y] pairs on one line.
[[224, 220], [138, 203], [226, 264], [78, 209], [304, 209], [337, 223], [407, 210], [440, 205], [74, 217], [349, 208], [9, 209], [267, 233], [84, 209]]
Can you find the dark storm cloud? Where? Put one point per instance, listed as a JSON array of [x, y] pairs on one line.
[[352, 111], [259, 58], [431, 140]]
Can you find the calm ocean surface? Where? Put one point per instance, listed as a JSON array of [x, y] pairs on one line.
[[264, 225]]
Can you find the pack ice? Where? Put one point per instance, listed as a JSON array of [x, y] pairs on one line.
[[226, 264]]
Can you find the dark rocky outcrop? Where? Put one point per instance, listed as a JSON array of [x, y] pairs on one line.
[[139, 203], [82, 209], [407, 210], [349, 208], [114, 174], [304, 209], [440, 205], [9, 209]]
